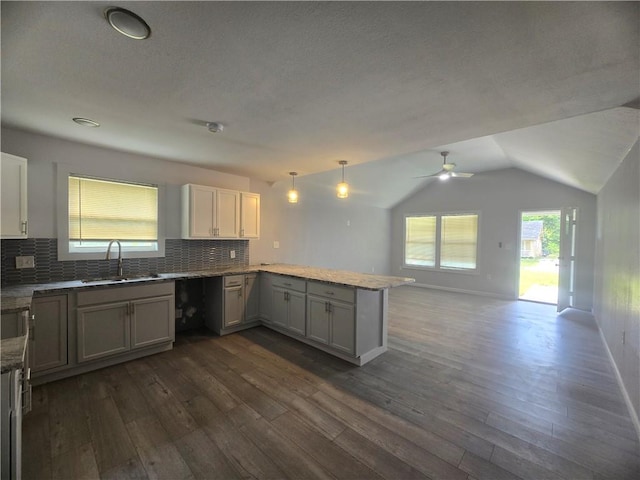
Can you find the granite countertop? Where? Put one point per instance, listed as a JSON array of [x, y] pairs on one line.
[[17, 298], [12, 351], [339, 277]]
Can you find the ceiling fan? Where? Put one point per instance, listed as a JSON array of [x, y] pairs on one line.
[[447, 170]]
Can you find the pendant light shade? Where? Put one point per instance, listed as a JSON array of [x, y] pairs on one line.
[[343, 188], [292, 195]]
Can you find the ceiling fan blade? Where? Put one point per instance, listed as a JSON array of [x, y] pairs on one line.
[[437, 174], [448, 170]]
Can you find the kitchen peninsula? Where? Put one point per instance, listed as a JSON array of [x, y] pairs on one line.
[[343, 313]]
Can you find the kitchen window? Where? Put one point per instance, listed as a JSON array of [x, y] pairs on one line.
[[442, 241], [97, 210]]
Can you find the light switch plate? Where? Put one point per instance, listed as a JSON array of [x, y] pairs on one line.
[[27, 261], [232, 254]]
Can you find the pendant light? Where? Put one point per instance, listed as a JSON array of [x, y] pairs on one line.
[[343, 187], [292, 195]]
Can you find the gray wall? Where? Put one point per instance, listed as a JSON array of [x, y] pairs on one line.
[[322, 231], [617, 272], [498, 196]]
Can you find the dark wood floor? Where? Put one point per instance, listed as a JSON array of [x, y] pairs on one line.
[[471, 388]]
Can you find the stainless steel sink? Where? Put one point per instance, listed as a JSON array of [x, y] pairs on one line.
[[122, 278]]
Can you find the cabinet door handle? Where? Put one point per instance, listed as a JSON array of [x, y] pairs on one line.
[[32, 333], [133, 309], [242, 232], [328, 292], [286, 284], [24, 227]]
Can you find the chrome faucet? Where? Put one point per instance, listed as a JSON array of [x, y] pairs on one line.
[[119, 255]]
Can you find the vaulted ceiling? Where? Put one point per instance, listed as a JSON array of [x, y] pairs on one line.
[[300, 85]]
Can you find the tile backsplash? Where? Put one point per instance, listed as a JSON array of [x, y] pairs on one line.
[[180, 256]]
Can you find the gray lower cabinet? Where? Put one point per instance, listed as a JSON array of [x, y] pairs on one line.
[[116, 320], [48, 333], [343, 327], [152, 321], [288, 304], [103, 330], [265, 280], [11, 425], [331, 316], [318, 315], [251, 297], [232, 303]]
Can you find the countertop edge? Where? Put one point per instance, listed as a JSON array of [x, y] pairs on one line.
[[19, 297], [12, 353]]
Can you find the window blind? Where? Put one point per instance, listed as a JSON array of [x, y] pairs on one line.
[[420, 242], [459, 241], [104, 210]]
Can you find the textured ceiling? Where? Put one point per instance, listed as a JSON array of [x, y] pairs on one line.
[[301, 85], [581, 152]]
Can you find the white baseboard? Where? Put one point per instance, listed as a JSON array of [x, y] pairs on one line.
[[461, 290], [625, 394]]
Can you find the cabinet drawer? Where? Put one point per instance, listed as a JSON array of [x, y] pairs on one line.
[[233, 280], [345, 294], [290, 283]]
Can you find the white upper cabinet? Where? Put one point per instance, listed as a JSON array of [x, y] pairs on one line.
[[249, 215], [14, 196], [227, 213], [198, 210], [215, 213]]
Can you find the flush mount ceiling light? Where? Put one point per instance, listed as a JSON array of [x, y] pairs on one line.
[[215, 127], [292, 195], [127, 23], [86, 122], [343, 187]]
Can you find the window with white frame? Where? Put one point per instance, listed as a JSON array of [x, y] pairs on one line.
[[420, 241], [442, 241], [100, 210]]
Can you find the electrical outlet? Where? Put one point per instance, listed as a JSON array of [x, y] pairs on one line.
[[232, 254], [276, 244], [25, 262]]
